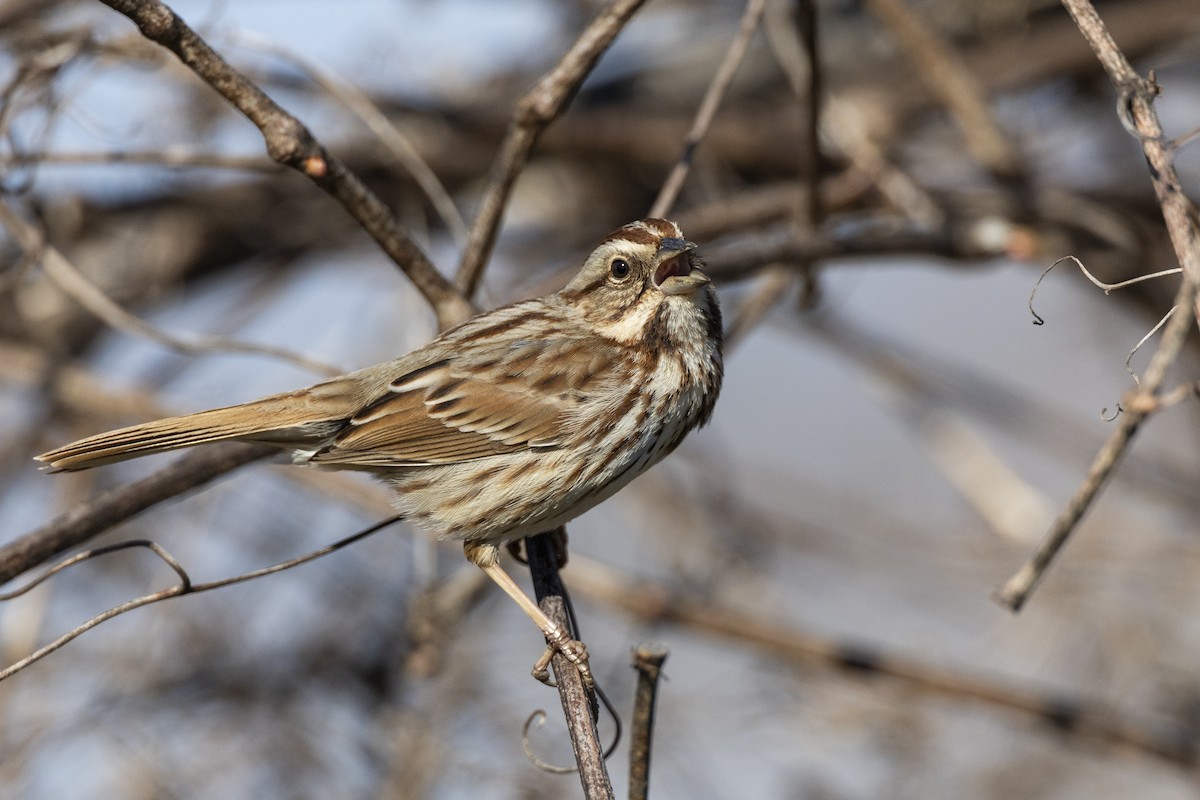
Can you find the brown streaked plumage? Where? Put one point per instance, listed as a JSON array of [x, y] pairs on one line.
[[514, 422]]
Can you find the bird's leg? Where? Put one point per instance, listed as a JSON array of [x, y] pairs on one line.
[[487, 558]]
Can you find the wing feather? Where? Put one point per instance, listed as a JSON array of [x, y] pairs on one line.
[[449, 412]]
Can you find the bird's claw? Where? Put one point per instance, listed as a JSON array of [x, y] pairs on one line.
[[575, 652]]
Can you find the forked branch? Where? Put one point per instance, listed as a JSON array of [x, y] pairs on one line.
[[1136, 102], [540, 106], [290, 143]]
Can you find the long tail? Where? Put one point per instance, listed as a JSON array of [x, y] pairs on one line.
[[283, 420]]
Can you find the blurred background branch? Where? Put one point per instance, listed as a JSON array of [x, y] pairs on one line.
[[893, 428]]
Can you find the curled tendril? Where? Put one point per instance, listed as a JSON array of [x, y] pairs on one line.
[[1125, 97], [1107, 287], [1143, 340], [538, 718], [1104, 416]]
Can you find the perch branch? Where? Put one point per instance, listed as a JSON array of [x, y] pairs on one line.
[[577, 705]]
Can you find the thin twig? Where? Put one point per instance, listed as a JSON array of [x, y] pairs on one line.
[[289, 142], [384, 129], [540, 106], [805, 16], [795, 44], [185, 586], [648, 659], [170, 157], [751, 18], [1184, 139], [842, 124], [1178, 212], [1143, 340], [67, 277], [1177, 395]]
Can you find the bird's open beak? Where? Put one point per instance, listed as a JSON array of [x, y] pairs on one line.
[[673, 270]]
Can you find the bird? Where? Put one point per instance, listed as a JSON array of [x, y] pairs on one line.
[[511, 424]]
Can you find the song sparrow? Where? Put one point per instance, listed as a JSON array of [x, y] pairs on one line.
[[510, 424]]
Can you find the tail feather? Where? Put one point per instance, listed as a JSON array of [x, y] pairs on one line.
[[279, 420]]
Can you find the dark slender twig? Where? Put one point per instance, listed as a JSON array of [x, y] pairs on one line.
[[579, 708], [289, 142], [806, 24], [96, 516], [540, 106], [1137, 96], [648, 659], [775, 281]]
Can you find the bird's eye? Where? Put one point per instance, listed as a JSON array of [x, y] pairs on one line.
[[619, 268]]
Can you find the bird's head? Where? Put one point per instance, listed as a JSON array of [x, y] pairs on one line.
[[642, 280]]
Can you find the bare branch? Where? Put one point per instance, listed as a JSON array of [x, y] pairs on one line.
[[1143, 340], [648, 659], [289, 142], [751, 18], [185, 585], [384, 129], [540, 106], [1178, 211], [653, 603], [796, 47], [734, 260], [88, 519]]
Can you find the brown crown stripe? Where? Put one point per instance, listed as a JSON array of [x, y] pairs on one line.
[[663, 227], [646, 231], [630, 233]]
